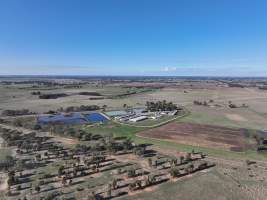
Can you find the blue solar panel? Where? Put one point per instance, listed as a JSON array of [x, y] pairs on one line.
[[74, 118]]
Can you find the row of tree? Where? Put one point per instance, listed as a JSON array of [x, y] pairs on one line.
[[16, 112], [52, 96], [79, 108], [160, 106]]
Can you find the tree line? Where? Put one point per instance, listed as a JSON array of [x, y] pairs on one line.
[[160, 106]]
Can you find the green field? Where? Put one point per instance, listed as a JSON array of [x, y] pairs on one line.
[[119, 130]]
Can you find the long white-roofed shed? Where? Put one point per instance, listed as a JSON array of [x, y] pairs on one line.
[[137, 119]]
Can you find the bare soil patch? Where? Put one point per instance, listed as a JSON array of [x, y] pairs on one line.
[[67, 141], [200, 135], [3, 184], [236, 117]]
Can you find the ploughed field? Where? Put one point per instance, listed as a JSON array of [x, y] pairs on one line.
[[201, 135]]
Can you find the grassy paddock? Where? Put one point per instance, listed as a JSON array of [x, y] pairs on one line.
[[119, 130], [211, 184]]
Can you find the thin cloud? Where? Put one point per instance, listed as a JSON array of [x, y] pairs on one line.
[[169, 69]]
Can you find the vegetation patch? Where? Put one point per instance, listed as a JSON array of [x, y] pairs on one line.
[[52, 96]]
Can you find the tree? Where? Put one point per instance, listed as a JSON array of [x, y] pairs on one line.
[[189, 169], [132, 186], [70, 181], [109, 191], [46, 154], [37, 188], [202, 165], [18, 123], [188, 157], [202, 155], [131, 172], [181, 159], [18, 188], [150, 162], [38, 157], [111, 147], [139, 150], [127, 144], [258, 139], [64, 181], [91, 196], [160, 106], [37, 127], [114, 184], [151, 179], [94, 196], [11, 178], [79, 134], [87, 136], [174, 172], [60, 171], [104, 107]]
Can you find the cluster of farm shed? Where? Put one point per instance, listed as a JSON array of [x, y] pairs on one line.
[[139, 114]]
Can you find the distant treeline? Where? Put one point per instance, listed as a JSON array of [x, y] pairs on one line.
[[235, 85], [90, 93], [58, 95], [36, 93], [17, 112], [123, 95], [45, 83], [96, 98], [52, 96], [128, 93], [263, 88], [72, 86], [79, 108], [200, 103], [144, 87]]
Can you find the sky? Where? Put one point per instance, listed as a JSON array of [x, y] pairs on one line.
[[133, 37]]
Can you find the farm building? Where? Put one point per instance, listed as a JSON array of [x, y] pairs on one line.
[[137, 119]]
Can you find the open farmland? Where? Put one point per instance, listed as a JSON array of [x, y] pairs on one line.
[[200, 135], [133, 160], [229, 180], [254, 116], [20, 96], [180, 92]]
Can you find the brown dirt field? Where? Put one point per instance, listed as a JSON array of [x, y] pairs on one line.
[[200, 135]]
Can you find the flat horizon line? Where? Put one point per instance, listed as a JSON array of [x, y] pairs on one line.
[[178, 76]]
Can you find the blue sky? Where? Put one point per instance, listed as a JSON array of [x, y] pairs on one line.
[[133, 37]]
